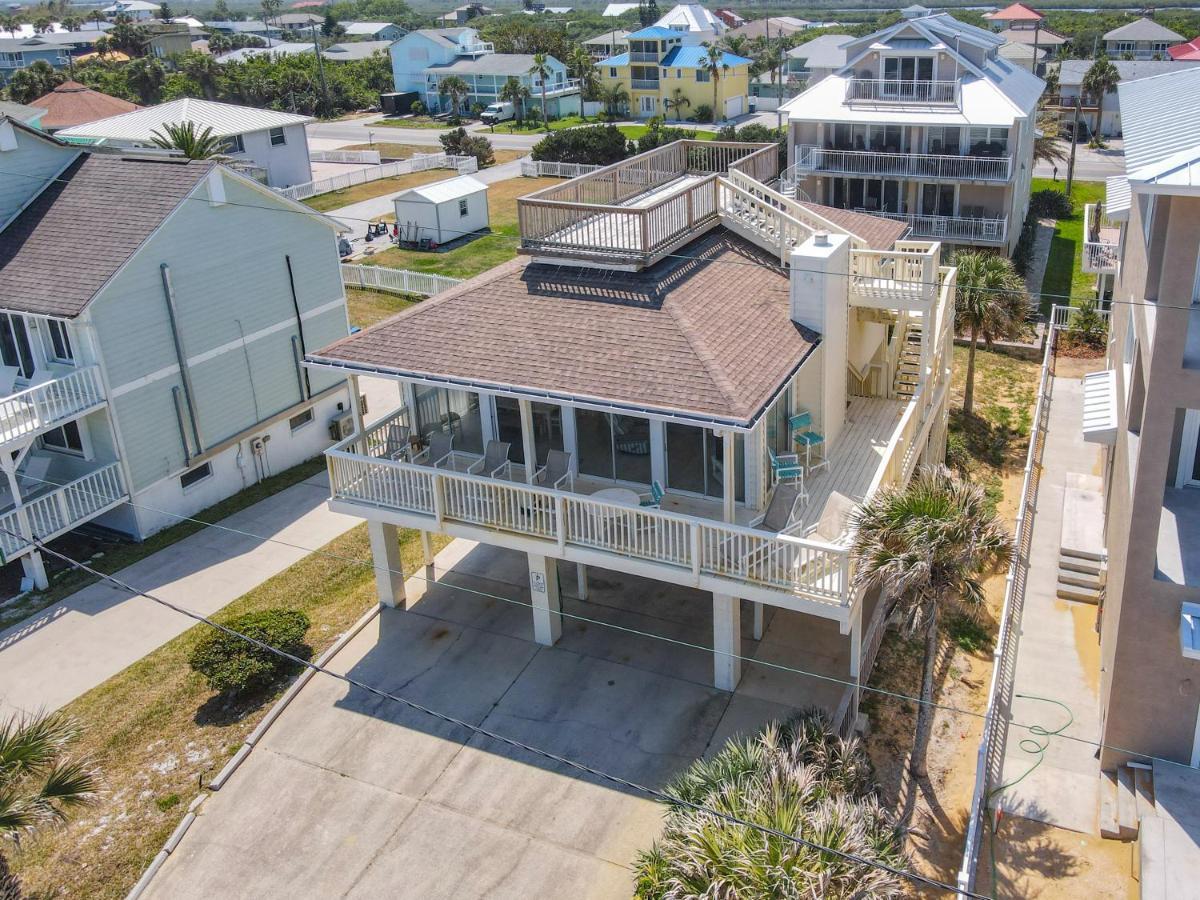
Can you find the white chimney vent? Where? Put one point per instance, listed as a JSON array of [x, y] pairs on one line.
[[821, 238]]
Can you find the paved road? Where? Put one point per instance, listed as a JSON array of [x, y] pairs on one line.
[[1090, 165], [363, 131], [68, 648]]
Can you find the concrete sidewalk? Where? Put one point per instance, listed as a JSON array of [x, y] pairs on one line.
[[1058, 655], [68, 648]]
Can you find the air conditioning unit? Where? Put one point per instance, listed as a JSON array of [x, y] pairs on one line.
[[341, 426]]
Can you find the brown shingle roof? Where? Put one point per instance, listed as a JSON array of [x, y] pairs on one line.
[[878, 233], [82, 227], [72, 103], [709, 336]]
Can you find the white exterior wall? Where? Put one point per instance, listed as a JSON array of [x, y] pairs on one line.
[[442, 222], [229, 475], [287, 163]]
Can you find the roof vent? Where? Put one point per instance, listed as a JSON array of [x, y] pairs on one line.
[[821, 239]]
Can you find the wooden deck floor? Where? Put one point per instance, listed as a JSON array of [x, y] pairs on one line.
[[855, 457]]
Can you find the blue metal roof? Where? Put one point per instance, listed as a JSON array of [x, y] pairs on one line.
[[654, 32], [697, 58], [621, 59]]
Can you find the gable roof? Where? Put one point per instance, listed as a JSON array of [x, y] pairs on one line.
[[1143, 30], [225, 119], [447, 37], [1071, 71], [708, 337], [609, 38], [825, 52], [442, 191], [695, 57], [1045, 37], [72, 103], [655, 32], [1160, 120], [356, 50], [505, 64], [20, 112], [367, 27], [694, 16], [1189, 51], [779, 25], [33, 276]]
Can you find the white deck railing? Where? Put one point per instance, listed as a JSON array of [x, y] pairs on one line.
[[812, 159], [464, 165], [906, 276], [398, 281], [60, 510], [950, 228], [44, 406], [538, 168], [345, 156], [694, 546], [886, 90], [1100, 241]]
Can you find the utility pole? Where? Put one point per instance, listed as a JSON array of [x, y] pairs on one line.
[[1074, 141], [320, 71]]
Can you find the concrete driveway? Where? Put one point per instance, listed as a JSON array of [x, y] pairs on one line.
[[349, 795]]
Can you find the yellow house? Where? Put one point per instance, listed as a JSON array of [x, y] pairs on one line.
[[659, 68]]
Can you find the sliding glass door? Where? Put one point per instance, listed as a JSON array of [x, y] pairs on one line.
[[457, 412], [612, 446], [696, 462], [547, 428]]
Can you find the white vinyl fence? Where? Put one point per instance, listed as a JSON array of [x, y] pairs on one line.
[[532, 168], [399, 281], [345, 156], [464, 165]]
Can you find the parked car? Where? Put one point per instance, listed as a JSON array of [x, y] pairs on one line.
[[498, 112]]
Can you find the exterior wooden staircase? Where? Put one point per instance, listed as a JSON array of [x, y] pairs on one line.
[[908, 364]]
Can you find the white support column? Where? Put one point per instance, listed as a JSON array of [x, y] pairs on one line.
[[487, 417], [856, 639], [422, 579], [355, 406], [547, 605], [570, 436], [527, 441], [658, 451], [34, 568], [729, 473], [758, 621], [385, 556], [581, 574], [727, 642]]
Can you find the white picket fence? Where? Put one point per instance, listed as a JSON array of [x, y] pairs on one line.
[[532, 168], [464, 165], [345, 156], [399, 281]]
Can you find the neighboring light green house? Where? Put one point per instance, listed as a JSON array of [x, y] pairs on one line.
[[155, 314]]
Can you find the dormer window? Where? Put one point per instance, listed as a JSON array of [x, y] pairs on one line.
[[908, 68]]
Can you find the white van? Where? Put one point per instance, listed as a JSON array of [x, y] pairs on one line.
[[498, 112]]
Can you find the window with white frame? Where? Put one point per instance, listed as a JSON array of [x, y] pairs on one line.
[[235, 144], [66, 439], [12, 60], [988, 140], [58, 342], [278, 138]]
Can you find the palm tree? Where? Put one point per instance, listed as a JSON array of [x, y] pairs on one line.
[[192, 143], [584, 70], [1052, 83], [146, 77], [989, 302], [270, 10], [928, 544], [797, 778], [714, 63], [204, 69], [542, 71], [456, 89], [1101, 78], [517, 94], [736, 43], [40, 782], [10, 22], [95, 17], [1047, 143], [677, 101], [614, 97]]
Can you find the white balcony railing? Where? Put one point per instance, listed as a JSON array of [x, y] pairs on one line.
[[905, 277], [811, 159], [695, 547], [951, 228], [60, 510], [44, 406], [477, 49], [1101, 240], [883, 90]]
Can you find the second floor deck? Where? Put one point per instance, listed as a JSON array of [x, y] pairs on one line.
[[1101, 241], [924, 166], [57, 396]]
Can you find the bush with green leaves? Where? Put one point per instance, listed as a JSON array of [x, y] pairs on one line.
[[798, 778], [233, 665], [459, 143], [658, 135], [703, 113], [1050, 204], [597, 145], [1087, 327]]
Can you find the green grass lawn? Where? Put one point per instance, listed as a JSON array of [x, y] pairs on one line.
[[1064, 270], [368, 307], [511, 127], [633, 132], [414, 122]]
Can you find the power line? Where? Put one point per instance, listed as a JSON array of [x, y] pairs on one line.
[[1039, 295], [655, 793], [896, 695]]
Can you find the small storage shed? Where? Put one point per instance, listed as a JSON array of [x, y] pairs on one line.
[[442, 211]]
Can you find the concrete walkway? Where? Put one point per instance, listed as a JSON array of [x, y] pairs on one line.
[[71, 647], [1058, 654]]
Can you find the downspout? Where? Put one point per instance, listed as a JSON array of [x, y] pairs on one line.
[[302, 373], [184, 373]]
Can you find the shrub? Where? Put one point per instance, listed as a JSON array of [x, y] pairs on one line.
[[597, 145], [1088, 328], [417, 108], [703, 113], [1050, 204], [657, 135], [1023, 252], [233, 665], [459, 143]]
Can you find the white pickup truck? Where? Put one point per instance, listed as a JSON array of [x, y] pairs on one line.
[[498, 112]]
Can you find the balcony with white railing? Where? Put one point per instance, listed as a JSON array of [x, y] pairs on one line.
[[908, 93], [50, 403], [907, 277], [811, 160], [479, 48], [56, 504], [1101, 241], [983, 229]]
